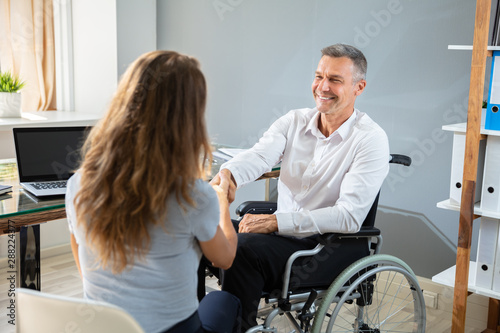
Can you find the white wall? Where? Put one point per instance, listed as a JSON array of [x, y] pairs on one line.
[[136, 24], [94, 53], [259, 57], [107, 37]]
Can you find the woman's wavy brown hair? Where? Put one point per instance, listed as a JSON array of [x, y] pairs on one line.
[[151, 144]]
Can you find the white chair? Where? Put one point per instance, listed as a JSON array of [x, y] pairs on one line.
[[44, 313]]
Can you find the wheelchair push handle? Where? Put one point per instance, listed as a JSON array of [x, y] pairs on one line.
[[400, 159]]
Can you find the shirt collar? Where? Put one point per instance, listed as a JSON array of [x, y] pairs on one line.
[[343, 130]]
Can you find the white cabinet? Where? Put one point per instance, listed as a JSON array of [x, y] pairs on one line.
[[484, 273]]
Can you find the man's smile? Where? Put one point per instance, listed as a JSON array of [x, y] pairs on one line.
[[325, 98]]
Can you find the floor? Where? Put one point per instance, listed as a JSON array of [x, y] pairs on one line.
[[60, 276]]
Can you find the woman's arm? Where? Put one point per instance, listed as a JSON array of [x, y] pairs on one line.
[[221, 249]]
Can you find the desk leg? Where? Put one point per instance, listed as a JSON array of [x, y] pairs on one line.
[[267, 190], [28, 260]]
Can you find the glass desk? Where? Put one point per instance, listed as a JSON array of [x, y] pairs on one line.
[[20, 218], [19, 209]]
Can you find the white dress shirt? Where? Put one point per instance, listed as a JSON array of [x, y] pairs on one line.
[[326, 184]]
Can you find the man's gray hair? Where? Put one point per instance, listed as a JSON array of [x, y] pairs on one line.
[[348, 51]]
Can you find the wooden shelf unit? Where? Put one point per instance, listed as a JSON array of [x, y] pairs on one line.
[[462, 282]]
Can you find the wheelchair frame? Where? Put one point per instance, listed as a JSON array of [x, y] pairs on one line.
[[353, 292]]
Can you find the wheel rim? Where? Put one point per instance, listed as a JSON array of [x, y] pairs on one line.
[[397, 306]]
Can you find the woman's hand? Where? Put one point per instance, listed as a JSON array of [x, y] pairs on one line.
[[225, 180], [221, 249]]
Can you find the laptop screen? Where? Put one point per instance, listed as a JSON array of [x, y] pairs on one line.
[[48, 153]]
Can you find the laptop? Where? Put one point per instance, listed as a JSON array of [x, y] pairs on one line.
[[47, 157]]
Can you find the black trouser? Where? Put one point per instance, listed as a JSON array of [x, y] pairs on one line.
[[219, 312], [261, 259], [259, 266]]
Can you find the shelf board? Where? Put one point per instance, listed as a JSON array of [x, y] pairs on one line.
[[447, 278], [50, 118], [469, 47], [462, 128], [447, 204]]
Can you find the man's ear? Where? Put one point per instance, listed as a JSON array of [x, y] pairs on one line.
[[359, 87]]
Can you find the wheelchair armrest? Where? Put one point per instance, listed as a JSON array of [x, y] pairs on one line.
[[256, 207], [366, 232]]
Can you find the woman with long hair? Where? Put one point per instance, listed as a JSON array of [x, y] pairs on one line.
[[139, 211]]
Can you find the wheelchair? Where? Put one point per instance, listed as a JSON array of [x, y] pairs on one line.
[[376, 293]]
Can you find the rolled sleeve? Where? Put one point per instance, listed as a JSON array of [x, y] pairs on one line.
[[263, 156]]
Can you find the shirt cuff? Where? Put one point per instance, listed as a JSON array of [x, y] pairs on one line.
[[285, 223], [234, 173], [289, 224]]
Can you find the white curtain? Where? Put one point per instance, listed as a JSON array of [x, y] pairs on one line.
[[27, 49]]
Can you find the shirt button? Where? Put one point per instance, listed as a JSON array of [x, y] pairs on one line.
[[304, 187]]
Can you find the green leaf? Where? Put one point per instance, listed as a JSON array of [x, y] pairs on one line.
[[10, 83]]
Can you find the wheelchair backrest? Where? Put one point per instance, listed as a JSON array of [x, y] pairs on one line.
[[370, 217]]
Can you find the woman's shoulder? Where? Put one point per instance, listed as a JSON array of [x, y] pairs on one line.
[[203, 186], [203, 192], [73, 184], [205, 212]]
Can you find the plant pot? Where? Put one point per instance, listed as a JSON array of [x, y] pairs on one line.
[[10, 105]]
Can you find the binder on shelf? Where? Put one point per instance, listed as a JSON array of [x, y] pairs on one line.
[[457, 168], [490, 197], [486, 252], [496, 270], [492, 121]]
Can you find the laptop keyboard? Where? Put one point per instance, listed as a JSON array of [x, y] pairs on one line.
[[49, 185]]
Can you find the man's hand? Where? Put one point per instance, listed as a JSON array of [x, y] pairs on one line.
[[225, 178], [258, 223]]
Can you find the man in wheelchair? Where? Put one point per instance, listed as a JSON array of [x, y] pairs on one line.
[[334, 159]]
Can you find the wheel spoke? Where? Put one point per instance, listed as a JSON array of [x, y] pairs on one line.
[[394, 309], [395, 304]]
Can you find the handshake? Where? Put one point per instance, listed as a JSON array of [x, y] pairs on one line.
[[225, 185]]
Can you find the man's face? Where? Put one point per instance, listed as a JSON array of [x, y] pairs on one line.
[[333, 88]]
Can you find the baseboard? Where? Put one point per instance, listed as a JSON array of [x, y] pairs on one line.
[[45, 253]]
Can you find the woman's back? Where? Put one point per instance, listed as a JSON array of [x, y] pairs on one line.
[[159, 290]]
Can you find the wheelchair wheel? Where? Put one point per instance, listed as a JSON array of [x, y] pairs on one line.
[[379, 293]]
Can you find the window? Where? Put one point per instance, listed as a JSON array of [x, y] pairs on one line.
[[35, 43]]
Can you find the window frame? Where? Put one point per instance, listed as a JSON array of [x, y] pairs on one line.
[[63, 39]]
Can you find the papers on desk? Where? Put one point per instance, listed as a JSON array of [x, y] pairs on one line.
[[232, 151], [227, 153], [5, 189]]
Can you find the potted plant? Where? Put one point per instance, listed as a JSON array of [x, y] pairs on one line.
[[10, 97]]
